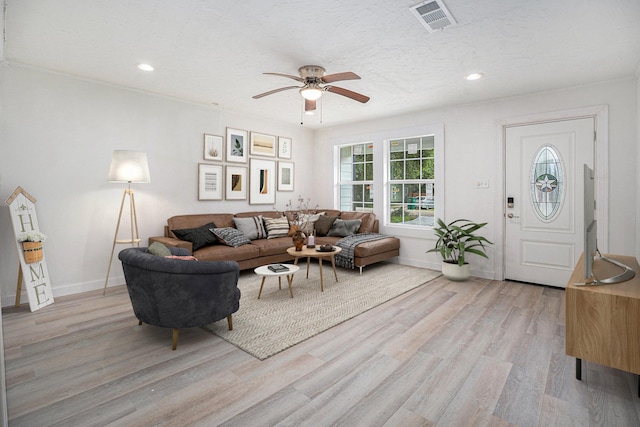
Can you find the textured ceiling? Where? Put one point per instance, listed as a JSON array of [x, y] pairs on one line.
[[215, 51]]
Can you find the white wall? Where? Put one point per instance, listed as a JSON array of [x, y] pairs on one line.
[[58, 134], [637, 210], [473, 150]]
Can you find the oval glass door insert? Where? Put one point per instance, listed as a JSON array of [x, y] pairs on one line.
[[547, 183]]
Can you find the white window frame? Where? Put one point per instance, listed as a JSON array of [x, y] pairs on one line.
[[409, 230], [341, 183]]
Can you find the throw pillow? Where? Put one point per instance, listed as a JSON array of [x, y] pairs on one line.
[[344, 227], [276, 227], [158, 249], [231, 236], [252, 227], [199, 237], [323, 224], [308, 222]]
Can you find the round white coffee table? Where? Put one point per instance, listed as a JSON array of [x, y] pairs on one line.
[[265, 272]]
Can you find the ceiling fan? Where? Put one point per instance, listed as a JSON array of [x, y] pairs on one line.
[[315, 83]]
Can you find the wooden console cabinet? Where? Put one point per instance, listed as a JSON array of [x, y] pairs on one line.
[[603, 321]]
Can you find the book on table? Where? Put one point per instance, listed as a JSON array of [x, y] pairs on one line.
[[278, 268]]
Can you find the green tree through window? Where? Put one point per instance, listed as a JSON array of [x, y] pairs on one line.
[[412, 180]]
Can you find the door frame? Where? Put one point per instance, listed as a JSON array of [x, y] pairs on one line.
[[600, 115]]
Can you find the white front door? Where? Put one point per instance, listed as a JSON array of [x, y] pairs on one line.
[[544, 199]]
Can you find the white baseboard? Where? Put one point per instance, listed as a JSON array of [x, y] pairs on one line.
[[59, 291]]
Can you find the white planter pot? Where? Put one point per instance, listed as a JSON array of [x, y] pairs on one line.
[[455, 271]]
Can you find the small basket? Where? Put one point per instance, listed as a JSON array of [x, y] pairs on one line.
[[32, 251]]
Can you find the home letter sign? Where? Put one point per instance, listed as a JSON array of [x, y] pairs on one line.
[[32, 275]]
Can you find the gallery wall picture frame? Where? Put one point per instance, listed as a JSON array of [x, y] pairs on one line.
[[284, 147], [213, 147], [210, 182], [236, 183], [262, 182], [263, 144], [285, 176], [237, 145]]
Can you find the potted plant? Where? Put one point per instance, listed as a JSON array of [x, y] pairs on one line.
[[32, 245], [455, 240]]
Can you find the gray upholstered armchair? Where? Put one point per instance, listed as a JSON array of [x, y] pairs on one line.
[[173, 293]]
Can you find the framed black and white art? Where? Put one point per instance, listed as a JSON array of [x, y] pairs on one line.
[[209, 182]]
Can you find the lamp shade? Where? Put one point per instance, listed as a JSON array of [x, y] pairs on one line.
[[129, 166]]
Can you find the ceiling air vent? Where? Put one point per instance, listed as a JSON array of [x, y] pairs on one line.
[[433, 14]]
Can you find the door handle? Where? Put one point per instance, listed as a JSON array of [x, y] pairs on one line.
[[510, 215]]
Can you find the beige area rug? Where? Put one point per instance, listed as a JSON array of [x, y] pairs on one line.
[[266, 326]]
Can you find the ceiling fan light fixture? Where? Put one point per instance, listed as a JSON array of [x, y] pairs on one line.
[[311, 92]]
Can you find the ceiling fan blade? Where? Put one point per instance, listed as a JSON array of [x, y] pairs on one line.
[[300, 79], [309, 105], [348, 93], [275, 91], [348, 75]]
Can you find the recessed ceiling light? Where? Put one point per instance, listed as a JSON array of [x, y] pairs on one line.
[[146, 67], [474, 76]]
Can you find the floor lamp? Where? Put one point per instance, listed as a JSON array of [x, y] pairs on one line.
[[127, 166]]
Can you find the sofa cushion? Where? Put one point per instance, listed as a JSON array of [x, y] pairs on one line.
[[179, 222], [344, 227], [199, 237], [270, 247], [323, 224], [158, 249], [231, 236], [226, 253], [368, 220], [276, 227], [252, 227]]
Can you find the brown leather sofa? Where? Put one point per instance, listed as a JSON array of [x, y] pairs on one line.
[[268, 251]]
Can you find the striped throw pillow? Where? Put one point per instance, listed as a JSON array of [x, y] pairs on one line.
[[231, 236], [276, 227]]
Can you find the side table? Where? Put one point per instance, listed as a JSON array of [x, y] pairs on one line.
[[264, 272]]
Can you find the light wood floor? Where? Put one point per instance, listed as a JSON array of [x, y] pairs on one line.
[[447, 354]]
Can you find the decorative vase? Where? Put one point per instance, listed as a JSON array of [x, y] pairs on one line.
[[298, 240], [32, 251], [456, 272]]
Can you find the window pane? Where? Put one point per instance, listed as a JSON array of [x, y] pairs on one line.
[[358, 172], [413, 169], [428, 169], [358, 192], [368, 194], [368, 168], [397, 170], [412, 148], [396, 150], [397, 211]]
